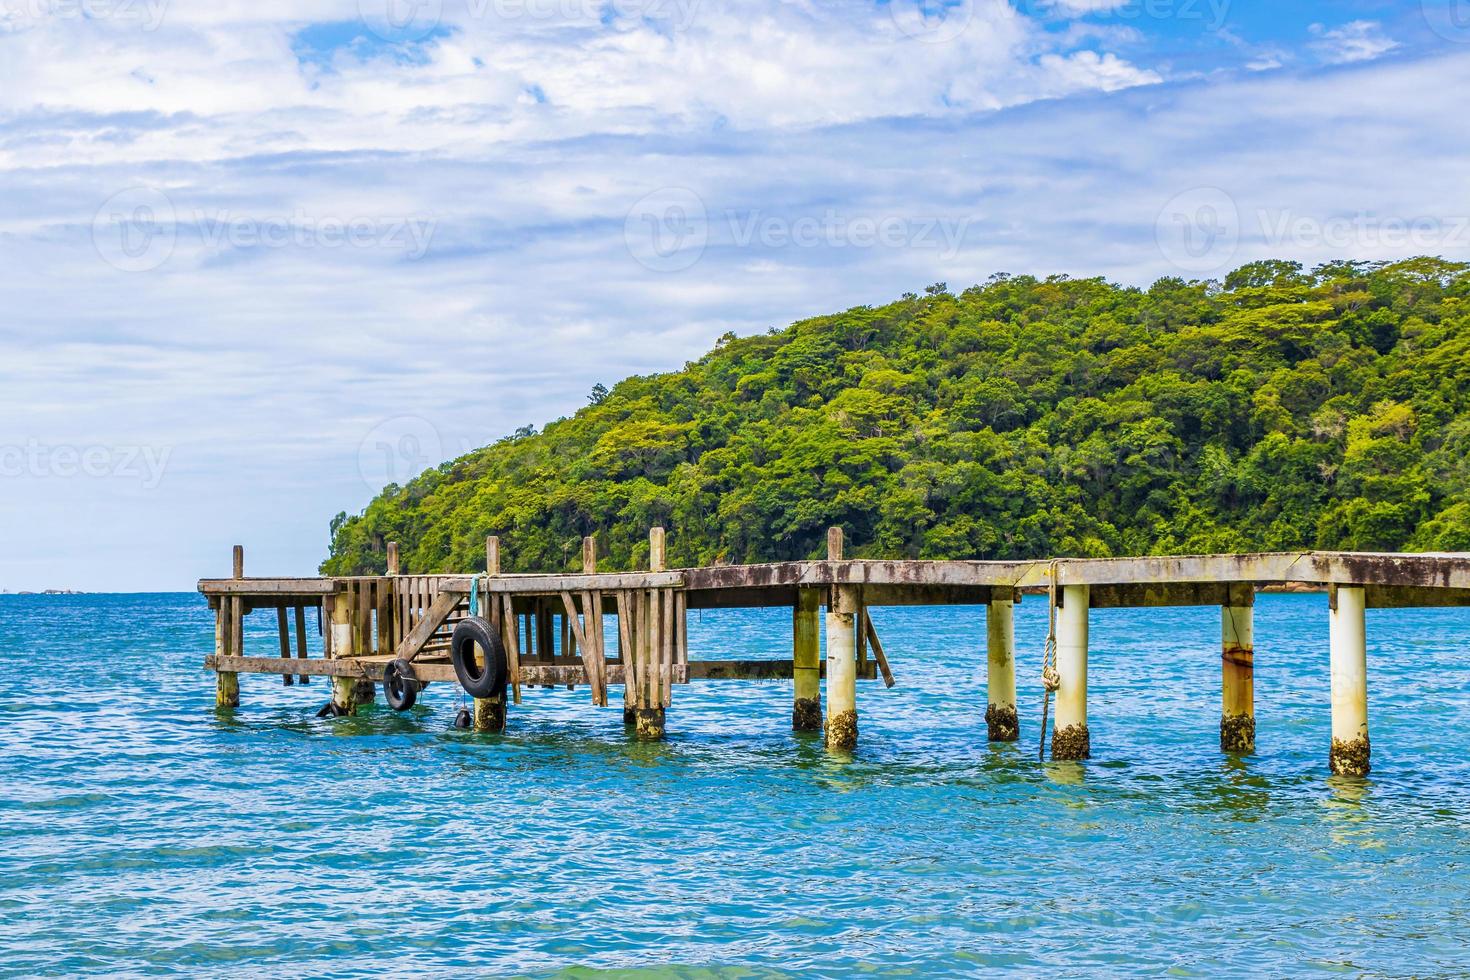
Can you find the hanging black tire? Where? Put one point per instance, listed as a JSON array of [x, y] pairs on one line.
[[482, 677], [400, 687]]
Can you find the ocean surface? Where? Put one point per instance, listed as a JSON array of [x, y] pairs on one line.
[[142, 832]]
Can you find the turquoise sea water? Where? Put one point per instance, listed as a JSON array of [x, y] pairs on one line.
[[141, 832]]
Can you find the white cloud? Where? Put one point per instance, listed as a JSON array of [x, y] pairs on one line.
[[1359, 40]]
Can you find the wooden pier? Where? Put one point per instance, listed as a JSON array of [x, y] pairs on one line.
[[627, 629]]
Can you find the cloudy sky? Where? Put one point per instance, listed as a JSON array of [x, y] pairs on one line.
[[260, 258]]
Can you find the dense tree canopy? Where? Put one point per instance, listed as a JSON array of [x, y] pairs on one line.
[[1280, 409]]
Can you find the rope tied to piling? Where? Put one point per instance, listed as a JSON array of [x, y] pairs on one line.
[[1051, 679]]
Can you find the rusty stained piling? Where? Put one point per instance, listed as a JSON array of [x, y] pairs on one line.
[[842, 613], [229, 637], [1001, 720], [1238, 671], [1070, 738], [806, 659], [1348, 640], [488, 714], [344, 644]]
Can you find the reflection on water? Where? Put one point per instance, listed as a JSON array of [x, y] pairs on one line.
[[144, 832]]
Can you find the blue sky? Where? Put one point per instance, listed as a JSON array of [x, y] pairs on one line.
[[261, 258]]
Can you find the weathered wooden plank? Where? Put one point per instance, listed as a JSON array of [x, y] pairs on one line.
[[877, 645], [301, 640], [534, 674], [570, 622], [269, 586], [283, 631], [443, 605], [551, 585], [511, 640]]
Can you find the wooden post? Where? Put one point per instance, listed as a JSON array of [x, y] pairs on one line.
[[657, 557], [489, 713], [301, 641], [226, 683], [1238, 671], [834, 544], [392, 557], [589, 554], [283, 628], [1070, 738], [239, 563], [1001, 719], [1347, 629], [842, 610], [344, 636], [806, 656]]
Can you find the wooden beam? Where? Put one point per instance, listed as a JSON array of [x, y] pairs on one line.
[[534, 674], [444, 604], [877, 646]]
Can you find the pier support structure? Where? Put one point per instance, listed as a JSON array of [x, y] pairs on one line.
[[806, 657], [842, 613], [1070, 738], [1238, 671], [489, 713], [344, 644], [1347, 637], [1001, 719], [229, 637]]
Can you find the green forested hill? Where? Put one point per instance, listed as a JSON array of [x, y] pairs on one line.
[[1281, 409]]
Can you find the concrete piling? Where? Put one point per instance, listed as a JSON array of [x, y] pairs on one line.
[[1237, 672], [1070, 738], [1001, 719], [842, 609], [806, 654], [344, 689], [1348, 640]]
